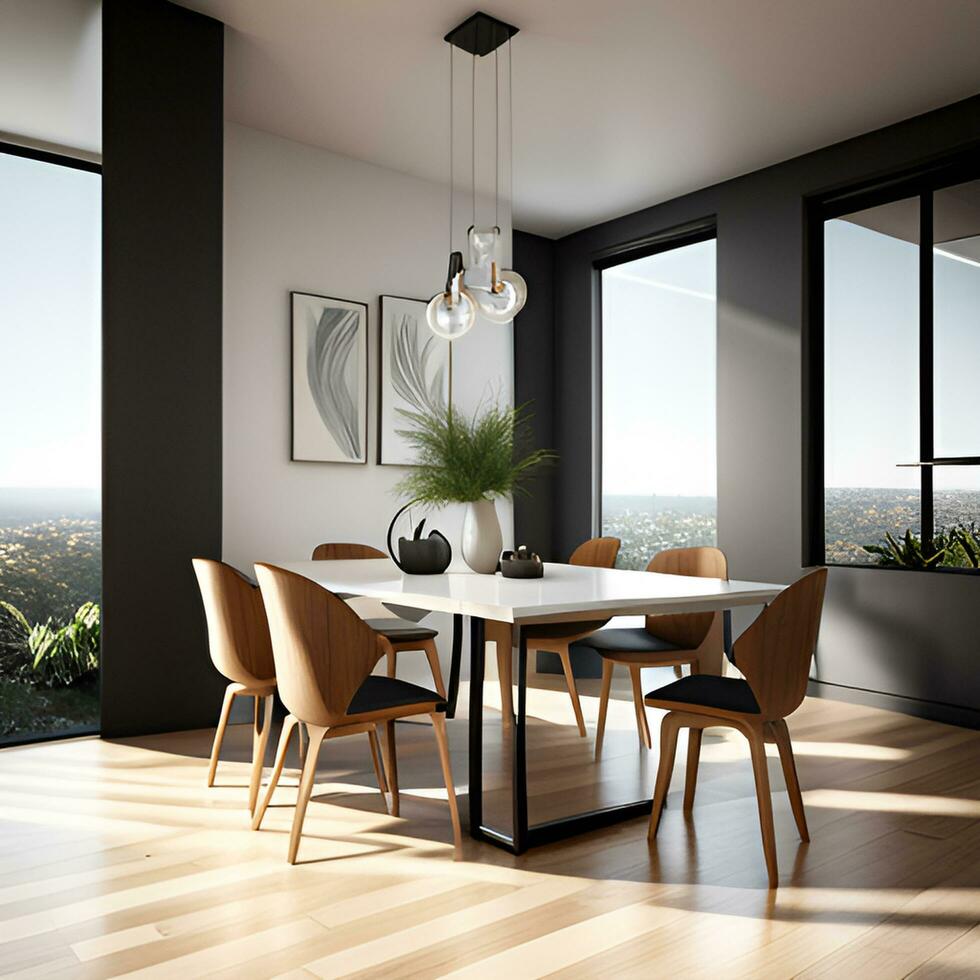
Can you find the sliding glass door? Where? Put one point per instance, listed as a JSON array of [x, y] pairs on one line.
[[658, 461], [50, 446]]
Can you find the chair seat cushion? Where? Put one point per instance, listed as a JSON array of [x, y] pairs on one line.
[[401, 630], [709, 691], [629, 640], [381, 693]]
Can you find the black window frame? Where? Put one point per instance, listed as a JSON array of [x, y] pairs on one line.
[[922, 181], [57, 159], [677, 236]]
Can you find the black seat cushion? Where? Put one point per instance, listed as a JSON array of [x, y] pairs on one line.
[[726, 693], [401, 630], [630, 640], [380, 693]]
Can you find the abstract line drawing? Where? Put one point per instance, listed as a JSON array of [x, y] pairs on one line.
[[331, 368], [415, 374], [329, 371], [411, 366]]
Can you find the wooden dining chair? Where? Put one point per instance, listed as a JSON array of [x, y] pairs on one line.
[[774, 656], [324, 654], [558, 637], [672, 640], [241, 649], [403, 634]]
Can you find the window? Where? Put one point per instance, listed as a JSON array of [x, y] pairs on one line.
[[894, 350], [50, 446], [658, 459]]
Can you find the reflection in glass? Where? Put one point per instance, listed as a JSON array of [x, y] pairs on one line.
[[50, 448], [659, 481], [871, 363], [956, 324]]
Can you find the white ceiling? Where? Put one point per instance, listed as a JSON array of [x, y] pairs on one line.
[[618, 104]]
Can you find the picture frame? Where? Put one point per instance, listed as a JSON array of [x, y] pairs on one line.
[[414, 373], [329, 379]]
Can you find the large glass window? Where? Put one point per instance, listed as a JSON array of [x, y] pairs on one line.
[[50, 447], [901, 342], [658, 467]]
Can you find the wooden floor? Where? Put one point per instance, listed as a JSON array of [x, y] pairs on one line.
[[115, 860]]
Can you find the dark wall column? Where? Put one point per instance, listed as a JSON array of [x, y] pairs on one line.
[[162, 285], [534, 368]]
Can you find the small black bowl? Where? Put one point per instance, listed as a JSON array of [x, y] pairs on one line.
[[521, 568]]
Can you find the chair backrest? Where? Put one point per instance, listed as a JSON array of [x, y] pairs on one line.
[[323, 650], [596, 553], [339, 551], [238, 630], [774, 653], [687, 630]]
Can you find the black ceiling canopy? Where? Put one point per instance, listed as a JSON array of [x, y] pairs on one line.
[[480, 34]]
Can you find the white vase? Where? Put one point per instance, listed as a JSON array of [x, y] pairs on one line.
[[482, 540]]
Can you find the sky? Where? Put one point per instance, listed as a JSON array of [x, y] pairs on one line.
[[872, 361], [50, 325], [658, 374]]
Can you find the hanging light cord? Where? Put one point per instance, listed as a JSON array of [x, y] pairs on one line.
[[452, 180], [496, 140], [510, 138], [473, 134]]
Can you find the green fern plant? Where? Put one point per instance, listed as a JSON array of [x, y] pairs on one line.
[[61, 655], [964, 546], [462, 459], [908, 551]]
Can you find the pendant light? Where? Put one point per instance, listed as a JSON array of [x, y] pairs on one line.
[[480, 286]]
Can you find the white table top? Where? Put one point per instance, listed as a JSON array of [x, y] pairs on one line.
[[567, 592]]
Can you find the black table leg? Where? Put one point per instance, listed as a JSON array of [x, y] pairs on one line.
[[519, 748], [454, 665], [477, 665]]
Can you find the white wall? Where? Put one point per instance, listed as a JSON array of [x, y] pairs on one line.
[[299, 217], [51, 73]]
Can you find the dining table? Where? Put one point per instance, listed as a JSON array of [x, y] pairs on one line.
[[498, 609]]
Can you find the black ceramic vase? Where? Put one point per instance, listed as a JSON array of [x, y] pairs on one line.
[[418, 555]]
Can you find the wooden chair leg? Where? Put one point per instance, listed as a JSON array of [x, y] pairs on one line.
[[378, 768], [760, 769], [303, 738], [691, 776], [305, 789], [288, 726], [432, 655], [439, 726], [642, 728], [668, 750], [261, 723], [781, 737], [391, 656], [391, 766], [600, 730], [231, 692], [382, 778], [566, 663]]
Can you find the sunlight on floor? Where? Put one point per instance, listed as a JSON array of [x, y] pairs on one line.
[[933, 806]]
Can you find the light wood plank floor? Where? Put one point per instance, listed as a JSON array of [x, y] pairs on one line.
[[115, 860]]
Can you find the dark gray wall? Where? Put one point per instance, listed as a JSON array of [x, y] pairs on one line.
[[534, 347], [162, 281], [909, 636]]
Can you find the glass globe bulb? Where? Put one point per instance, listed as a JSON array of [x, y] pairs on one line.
[[516, 280], [450, 317], [504, 305], [497, 307]]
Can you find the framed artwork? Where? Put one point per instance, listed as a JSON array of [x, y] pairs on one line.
[[329, 379], [414, 376]]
